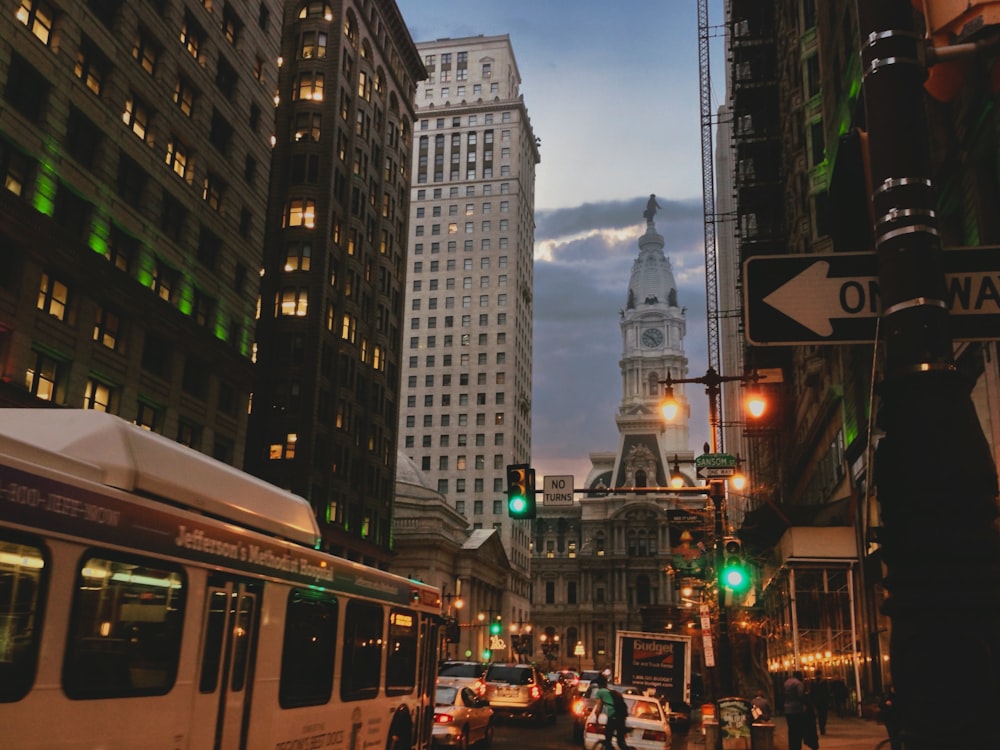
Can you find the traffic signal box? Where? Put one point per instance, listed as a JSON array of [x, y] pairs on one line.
[[735, 574], [521, 491]]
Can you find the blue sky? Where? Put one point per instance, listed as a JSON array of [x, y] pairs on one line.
[[613, 93]]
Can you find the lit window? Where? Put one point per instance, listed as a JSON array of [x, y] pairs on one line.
[[37, 15], [144, 53], [136, 115], [41, 379], [176, 156], [97, 396], [301, 212], [292, 302], [106, 329], [52, 297]]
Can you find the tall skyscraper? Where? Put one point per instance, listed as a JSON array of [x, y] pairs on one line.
[[134, 159], [468, 339], [325, 406]]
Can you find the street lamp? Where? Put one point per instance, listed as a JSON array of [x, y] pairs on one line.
[[550, 647], [713, 381]]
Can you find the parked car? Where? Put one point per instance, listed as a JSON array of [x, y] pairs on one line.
[[521, 691], [463, 674], [647, 725], [461, 718]]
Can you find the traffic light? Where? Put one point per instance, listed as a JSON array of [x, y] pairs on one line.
[[520, 491], [735, 574], [496, 627]]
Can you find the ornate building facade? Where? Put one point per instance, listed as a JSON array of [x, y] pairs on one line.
[[618, 557]]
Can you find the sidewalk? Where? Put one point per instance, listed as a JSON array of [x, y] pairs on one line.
[[841, 734]]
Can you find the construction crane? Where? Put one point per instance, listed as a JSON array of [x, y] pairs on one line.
[[708, 208]]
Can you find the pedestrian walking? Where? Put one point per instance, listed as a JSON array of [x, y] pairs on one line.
[[821, 699], [794, 705], [615, 712]]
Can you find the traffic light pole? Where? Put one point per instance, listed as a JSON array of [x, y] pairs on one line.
[[935, 475], [724, 660]]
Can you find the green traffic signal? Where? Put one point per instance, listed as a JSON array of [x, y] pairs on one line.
[[735, 577], [520, 491], [494, 628]]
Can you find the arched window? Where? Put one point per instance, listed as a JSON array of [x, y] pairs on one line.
[[316, 9]]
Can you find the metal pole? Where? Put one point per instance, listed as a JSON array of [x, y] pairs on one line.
[[934, 469]]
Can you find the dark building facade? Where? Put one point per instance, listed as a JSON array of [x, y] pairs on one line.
[[134, 156], [326, 399], [798, 187]]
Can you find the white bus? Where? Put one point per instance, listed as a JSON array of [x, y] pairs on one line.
[[152, 597]]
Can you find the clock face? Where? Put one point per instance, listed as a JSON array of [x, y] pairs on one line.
[[652, 337]]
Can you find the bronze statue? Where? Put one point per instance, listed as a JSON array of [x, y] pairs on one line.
[[651, 207]]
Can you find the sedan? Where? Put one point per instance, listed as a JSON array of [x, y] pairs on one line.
[[647, 725], [461, 718]]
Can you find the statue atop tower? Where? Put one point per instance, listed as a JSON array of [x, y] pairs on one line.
[[651, 208]]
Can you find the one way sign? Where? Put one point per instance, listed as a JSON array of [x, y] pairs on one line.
[[834, 298]]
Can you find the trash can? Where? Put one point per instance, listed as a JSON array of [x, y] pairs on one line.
[[734, 723], [762, 735]]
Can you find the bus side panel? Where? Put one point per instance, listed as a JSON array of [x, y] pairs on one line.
[[46, 719]]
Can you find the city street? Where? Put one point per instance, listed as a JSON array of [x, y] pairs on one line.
[[517, 735]]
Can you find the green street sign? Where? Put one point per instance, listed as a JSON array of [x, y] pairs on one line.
[[715, 461]]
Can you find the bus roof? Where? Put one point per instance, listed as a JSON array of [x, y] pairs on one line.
[[137, 460]]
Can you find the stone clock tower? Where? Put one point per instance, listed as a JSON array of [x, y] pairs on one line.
[[652, 326]]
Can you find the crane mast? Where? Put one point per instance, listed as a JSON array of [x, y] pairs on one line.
[[708, 208]]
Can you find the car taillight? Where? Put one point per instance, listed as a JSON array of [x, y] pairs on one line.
[[443, 718], [536, 692], [654, 735], [594, 728]]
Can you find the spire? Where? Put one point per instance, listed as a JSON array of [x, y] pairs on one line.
[[652, 281]]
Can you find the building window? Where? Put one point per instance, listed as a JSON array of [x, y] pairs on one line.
[[38, 16], [136, 115], [298, 256], [292, 302], [107, 328], [190, 36], [147, 417], [184, 97], [307, 126], [143, 52], [177, 157], [300, 212], [53, 297], [91, 66], [212, 191], [97, 396], [308, 87], [281, 450], [42, 379]]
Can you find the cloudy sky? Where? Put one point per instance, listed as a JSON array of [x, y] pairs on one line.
[[613, 94]]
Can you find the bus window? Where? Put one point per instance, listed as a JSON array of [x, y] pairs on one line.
[[362, 657], [215, 631], [308, 651], [125, 630], [401, 660], [23, 576]]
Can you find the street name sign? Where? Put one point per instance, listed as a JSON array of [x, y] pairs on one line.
[[558, 490], [715, 461], [834, 298]]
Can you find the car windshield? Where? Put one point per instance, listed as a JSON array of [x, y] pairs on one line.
[[511, 675], [460, 670], [445, 696]]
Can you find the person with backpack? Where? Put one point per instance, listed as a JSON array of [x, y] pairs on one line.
[[614, 708]]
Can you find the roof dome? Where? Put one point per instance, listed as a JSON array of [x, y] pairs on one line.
[[652, 281], [408, 472]]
